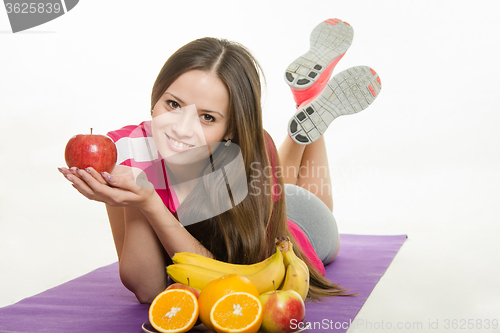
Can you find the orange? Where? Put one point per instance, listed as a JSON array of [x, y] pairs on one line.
[[237, 313], [174, 310], [215, 289]]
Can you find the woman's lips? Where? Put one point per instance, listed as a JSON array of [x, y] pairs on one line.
[[176, 145]]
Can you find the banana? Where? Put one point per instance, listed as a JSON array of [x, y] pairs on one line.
[[217, 265], [297, 272], [198, 276], [270, 274]]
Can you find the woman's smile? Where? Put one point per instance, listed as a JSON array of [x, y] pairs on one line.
[[178, 145], [193, 112]]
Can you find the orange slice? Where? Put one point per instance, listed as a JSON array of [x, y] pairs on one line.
[[217, 288], [238, 312], [174, 311]]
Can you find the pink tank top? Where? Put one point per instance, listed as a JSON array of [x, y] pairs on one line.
[[134, 145]]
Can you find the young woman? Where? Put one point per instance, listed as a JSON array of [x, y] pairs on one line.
[[208, 96]]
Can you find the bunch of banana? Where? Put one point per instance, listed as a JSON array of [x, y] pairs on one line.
[[297, 272], [201, 270]]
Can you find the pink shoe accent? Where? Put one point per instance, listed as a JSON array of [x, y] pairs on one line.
[[378, 80], [344, 94], [305, 102], [373, 72], [301, 95], [372, 90], [332, 21], [308, 75]]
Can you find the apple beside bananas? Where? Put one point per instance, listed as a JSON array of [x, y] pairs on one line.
[[282, 268]]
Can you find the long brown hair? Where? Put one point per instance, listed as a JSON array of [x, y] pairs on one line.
[[244, 234]]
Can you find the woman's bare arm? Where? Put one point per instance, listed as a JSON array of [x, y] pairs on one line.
[[143, 259], [172, 234], [144, 231], [142, 249], [116, 217]]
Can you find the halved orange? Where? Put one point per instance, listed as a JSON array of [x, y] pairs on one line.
[[217, 288], [174, 311], [238, 312]]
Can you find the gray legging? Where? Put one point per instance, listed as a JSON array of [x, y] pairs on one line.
[[314, 218]]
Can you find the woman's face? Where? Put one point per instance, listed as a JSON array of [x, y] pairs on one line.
[[191, 117]]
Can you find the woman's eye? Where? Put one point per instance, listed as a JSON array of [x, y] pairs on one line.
[[207, 118], [173, 104]]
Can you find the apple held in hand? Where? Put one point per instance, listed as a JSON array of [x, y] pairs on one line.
[[91, 150], [283, 311]]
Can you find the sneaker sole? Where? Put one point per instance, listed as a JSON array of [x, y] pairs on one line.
[[308, 74], [348, 92]]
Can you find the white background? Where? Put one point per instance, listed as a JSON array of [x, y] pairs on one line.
[[423, 160]]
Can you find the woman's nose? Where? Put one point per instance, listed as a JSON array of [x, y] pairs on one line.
[[187, 122]]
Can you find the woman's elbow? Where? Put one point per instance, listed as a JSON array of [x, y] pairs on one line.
[[144, 298], [145, 295], [144, 291]]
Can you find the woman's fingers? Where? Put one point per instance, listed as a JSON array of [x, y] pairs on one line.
[[94, 185], [80, 185], [75, 171], [132, 181], [124, 180], [85, 181], [70, 174], [97, 176], [92, 178], [119, 188], [65, 171], [85, 193]]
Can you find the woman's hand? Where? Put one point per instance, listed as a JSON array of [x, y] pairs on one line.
[[120, 188]]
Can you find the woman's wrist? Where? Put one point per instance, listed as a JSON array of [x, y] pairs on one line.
[[157, 213], [151, 205]]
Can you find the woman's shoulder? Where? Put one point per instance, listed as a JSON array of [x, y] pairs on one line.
[[136, 148], [135, 145], [132, 131]]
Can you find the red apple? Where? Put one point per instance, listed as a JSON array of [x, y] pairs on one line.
[[91, 150], [195, 291], [283, 311]]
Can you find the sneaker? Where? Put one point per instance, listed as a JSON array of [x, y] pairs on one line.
[[308, 74], [348, 92]]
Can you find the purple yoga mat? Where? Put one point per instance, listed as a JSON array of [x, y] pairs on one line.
[[98, 302]]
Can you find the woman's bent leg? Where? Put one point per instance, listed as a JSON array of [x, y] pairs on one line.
[[307, 167], [314, 174], [315, 219], [290, 154]]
